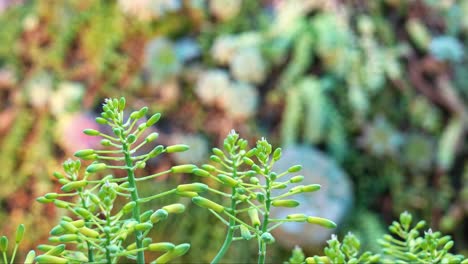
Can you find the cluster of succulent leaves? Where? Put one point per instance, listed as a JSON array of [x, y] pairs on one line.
[[99, 229], [249, 179], [403, 244], [94, 43]]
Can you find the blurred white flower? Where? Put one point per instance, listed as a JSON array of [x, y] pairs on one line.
[[39, 90], [225, 9], [249, 66], [211, 85], [66, 98], [223, 49], [161, 61], [149, 9], [245, 103]]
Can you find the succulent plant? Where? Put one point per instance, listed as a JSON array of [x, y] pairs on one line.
[[161, 61], [446, 48], [247, 65], [225, 9], [149, 9], [211, 85]]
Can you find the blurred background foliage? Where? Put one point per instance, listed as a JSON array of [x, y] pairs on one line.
[[374, 89]]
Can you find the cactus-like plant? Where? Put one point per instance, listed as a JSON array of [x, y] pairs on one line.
[[250, 180], [102, 231]]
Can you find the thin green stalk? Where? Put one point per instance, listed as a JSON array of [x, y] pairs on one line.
[[227, 242], [14, 254], [135, 198], [87, 224], [5, 258], [262, 244], [108, 255]]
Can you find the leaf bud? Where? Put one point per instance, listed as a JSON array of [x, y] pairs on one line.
[[88, 232], [161, 246], [30, 257], [128, 207], [177, 148], [101, 121], [248, 161], [201, 173], [297, 217], [254, 180], [69, 227], [176, 208], [61, 204], [121, 103], [3, 244], [251, 152], [228, 180], [311, 188], [68, 238], [51, 196], [140, 164], [253, 215], [83, 213], [143, 226], [91, 132], [260, 197], [215, 158], [245, 233], [58, 175], [321, 222], [146, 215], [279, 185], [117, 131], [53, 251], [153, 119], [57, 230], [295, 168], [192, 187], [205, 203], [151, 137], [48, 259], [71, 186], [187, 168], [84, 153], [208, 167], [218, 152], [273, 176], [285, 203], [141, 127], [159, 215], [105, 142], [156, 151], [405, 219], [267, 238], [277, 154], [187, 194], [296, 179], [95, 167], [131, 138]]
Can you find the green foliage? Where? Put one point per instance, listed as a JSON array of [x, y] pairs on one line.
[[20, 232], [406, 244], [250, 179], [101, 231]]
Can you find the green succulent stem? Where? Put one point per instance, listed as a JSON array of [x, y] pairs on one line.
[[14, 253], [230, 233], [135, 198], [262, 244], [87, 224]]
